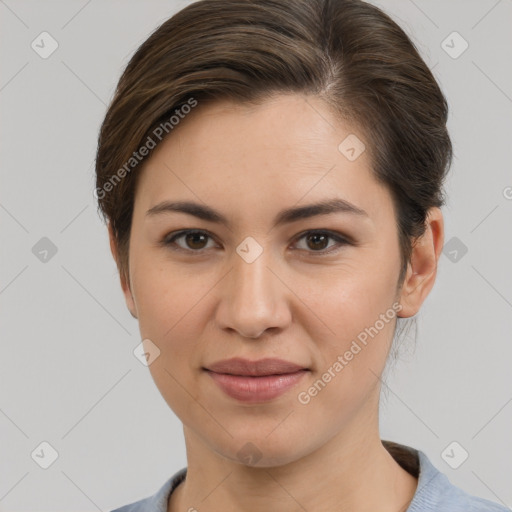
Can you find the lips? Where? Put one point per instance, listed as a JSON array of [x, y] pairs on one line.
[[261, 367], [255, 381]]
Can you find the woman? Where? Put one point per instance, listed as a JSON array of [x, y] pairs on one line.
[[271, 173]]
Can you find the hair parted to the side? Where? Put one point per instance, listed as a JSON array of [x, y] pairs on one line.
[[347, 52]]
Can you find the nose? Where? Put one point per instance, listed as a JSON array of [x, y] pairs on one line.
[[254, 298]]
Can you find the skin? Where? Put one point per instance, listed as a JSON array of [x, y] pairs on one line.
[[249, 163]]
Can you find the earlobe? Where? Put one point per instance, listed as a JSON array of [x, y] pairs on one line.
[[422, 268], [130, 303], [125, 285]]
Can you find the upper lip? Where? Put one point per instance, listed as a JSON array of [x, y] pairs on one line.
[[268, 366]]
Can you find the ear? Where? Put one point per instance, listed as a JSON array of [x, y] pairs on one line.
[[422, 269], [125, 285]]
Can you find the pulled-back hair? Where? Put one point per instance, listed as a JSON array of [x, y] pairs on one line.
[[347, 52]]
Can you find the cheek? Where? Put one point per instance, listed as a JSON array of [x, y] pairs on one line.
[[165, 297], [351, 360], [357, 310], [171, 315], [348, 302]]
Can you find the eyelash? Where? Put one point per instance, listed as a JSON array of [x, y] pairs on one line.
[[169, 240]]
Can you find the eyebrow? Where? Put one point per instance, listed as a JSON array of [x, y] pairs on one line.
[[285, 216]]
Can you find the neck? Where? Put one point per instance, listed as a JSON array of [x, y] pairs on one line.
[[337, 476]]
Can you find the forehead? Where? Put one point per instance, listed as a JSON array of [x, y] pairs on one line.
[[274, 153]]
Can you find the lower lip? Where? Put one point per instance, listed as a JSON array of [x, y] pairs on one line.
[[256, 389]]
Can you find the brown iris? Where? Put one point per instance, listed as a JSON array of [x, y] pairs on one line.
[[319, 240]]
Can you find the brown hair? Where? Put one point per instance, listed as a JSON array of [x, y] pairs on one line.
[[347, 52]]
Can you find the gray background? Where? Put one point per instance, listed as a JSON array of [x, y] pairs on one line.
[[68, 373]]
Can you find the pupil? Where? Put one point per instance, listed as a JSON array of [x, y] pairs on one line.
[[192, 237], [316, 237]]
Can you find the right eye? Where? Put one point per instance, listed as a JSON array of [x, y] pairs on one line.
[[194, 240]]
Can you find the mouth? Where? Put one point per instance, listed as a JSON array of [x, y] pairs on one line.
[[255, 381], [259, 368]]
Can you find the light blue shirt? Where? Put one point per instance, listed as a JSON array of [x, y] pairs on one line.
[[434, 493]]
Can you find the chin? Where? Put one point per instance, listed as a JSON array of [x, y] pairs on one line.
[[262, 451]]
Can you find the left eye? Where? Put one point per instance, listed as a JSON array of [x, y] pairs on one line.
[[318, 240], [195, 240]]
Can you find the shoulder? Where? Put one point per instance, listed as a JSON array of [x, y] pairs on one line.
[[447, 497], [436, 493], [158, 501], [137, 506], [482, 505]]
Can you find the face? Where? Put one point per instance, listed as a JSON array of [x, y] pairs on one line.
[[318, 290]]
